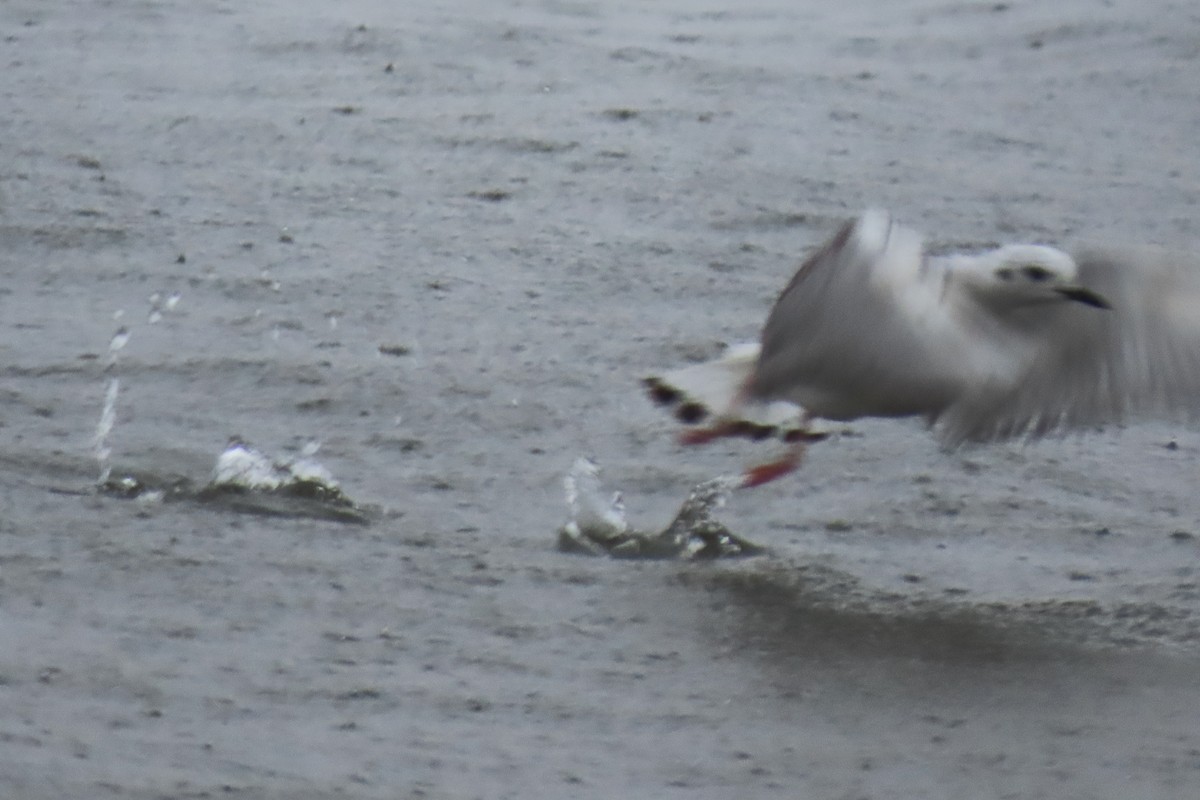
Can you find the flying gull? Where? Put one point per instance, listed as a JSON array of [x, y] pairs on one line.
[[1017, 342]]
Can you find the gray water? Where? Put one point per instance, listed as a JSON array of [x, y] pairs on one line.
[[445, 241]]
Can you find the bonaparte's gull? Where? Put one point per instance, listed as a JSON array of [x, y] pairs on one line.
[[1021, 341]]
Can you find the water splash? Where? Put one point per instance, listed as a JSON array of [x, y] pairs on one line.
[[598, 525], [243, 479], [241, 466], [108, 412], [108, 418], [247, 480], [591, 512], [101, 448]]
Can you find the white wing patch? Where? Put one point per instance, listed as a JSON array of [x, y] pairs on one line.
[[712, 390]]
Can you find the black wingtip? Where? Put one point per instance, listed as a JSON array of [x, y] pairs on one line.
[[661, 393], [691, 413]]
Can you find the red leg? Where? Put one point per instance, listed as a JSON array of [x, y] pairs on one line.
[[725, 425], [708, 434], [765, 473]]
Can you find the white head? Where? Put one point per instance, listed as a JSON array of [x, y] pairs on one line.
[[1018, 275]]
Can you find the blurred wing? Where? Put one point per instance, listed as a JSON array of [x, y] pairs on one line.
[[1093, 366], [863, 328], [712, 389]]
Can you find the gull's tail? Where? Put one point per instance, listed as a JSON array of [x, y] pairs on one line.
[[712, 392]]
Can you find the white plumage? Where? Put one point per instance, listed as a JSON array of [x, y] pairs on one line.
[[1020, 341]]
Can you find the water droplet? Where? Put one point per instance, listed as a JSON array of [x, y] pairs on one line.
[[119, 340]]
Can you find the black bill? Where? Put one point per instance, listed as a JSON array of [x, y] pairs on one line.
[[1082, 295]]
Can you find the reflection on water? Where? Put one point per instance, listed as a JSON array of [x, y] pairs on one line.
[[816, 613], [811, 617]]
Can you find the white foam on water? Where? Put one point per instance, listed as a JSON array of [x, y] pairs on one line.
[[243, 466]]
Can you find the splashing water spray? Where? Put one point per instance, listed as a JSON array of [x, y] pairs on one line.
[[254, 480], [108, 414]]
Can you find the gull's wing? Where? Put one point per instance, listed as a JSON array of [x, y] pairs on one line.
[[699, 392], [1093, 366], [863, 329]]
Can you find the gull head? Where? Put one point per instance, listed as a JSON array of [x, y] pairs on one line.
[[1021, 275]]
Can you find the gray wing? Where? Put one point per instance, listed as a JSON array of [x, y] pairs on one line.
[[862, 329], [1091, 367]]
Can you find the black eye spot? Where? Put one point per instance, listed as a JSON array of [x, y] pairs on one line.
[[1004, 274], [1036, 274]]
